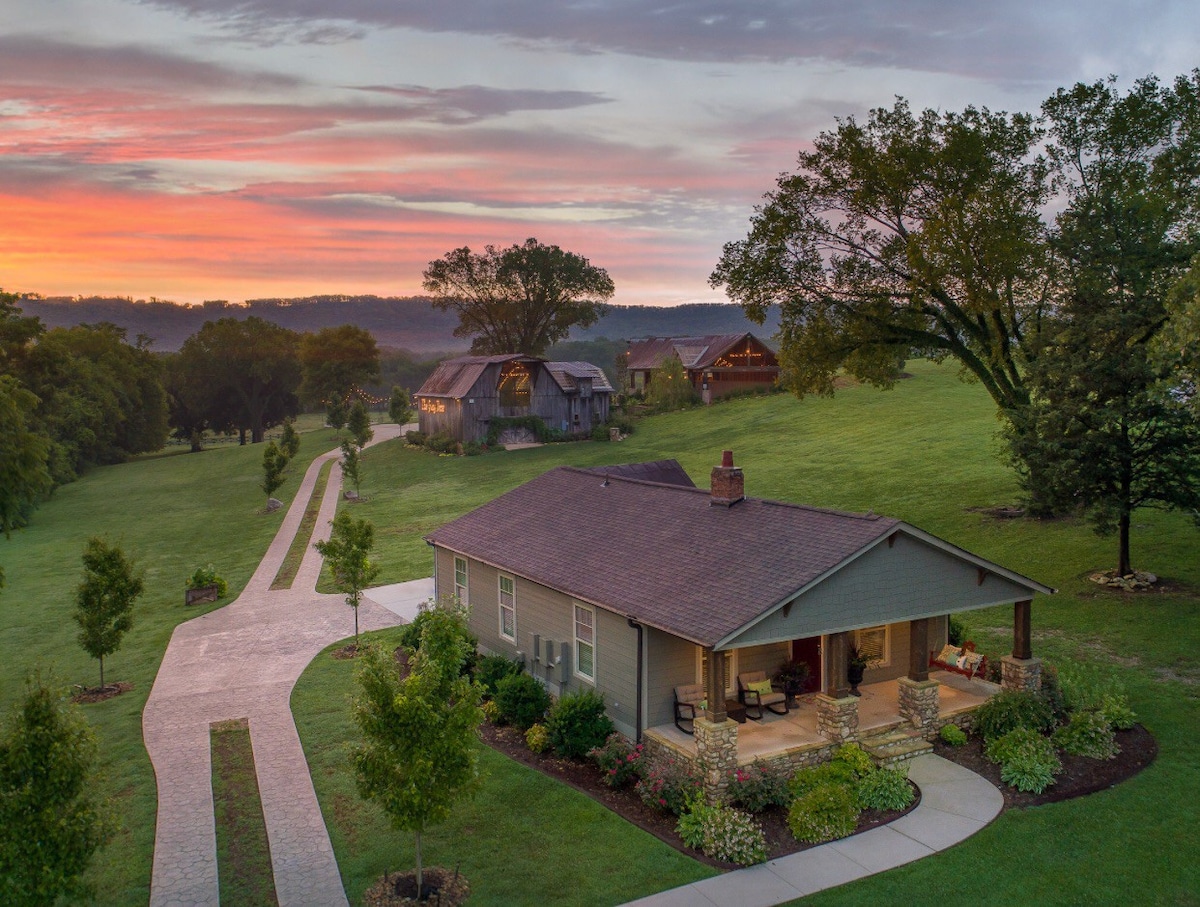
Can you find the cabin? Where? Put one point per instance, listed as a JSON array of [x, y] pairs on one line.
[[463, 396], [716, 365], [555, 577]]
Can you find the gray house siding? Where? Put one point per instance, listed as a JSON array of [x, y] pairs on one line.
[[670, 662]]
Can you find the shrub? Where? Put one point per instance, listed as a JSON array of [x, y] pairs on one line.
[[415, 438], [208, 576], [1012, 709], [498, 425], [410, 634], [957, 631], [599, 433], [619, 761], [491, 711], [442, 442], [953, 735], [824, 813], [808, 779], [521, 700], [1088, 734], [758, 786], [667, 784], [491, 669], [578, 723], [724, 833], [1115, 708], [624, 425], [1052, 693], [1027, 760], [885, 788], [856, 757], [690, 826], [474, 448], [537, 738]]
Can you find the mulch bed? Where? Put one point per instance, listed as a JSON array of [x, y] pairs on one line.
[[442, 887], [1080, 776], [99, 694]]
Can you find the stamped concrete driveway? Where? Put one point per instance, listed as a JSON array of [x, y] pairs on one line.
[[242, 661]]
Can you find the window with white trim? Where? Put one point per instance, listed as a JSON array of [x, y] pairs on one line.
[[508, 608], [875, 644], [460, 579], [585, 642], [729, 660]]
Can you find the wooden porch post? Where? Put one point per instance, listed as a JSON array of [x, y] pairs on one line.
[[918, 649], [716, 685], [837, 685], [1022, 629]]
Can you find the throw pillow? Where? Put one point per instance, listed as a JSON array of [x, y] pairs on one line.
[[762, 687], [949, 653]]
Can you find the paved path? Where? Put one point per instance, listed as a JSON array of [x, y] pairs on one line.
[[242, 661], [955, 804]]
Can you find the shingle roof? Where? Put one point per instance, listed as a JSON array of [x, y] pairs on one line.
[[665, 472], [456, 377], [693, 352], [565, 373], [705, 570]]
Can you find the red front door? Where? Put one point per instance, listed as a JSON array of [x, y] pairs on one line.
[[809, 651]]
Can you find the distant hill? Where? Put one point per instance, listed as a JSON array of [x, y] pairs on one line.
[[409, 323]]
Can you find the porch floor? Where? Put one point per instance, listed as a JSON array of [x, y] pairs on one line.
[[878, 709]]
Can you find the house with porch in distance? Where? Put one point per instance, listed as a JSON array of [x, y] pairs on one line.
[[716, 365], [553, 576], [464, 395]]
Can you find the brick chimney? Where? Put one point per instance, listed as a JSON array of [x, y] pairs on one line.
[[728, 484]]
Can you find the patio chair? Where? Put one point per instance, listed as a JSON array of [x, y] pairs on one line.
[[688, 698], [753, 693]]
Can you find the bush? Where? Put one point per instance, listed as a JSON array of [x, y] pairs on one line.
[[498, 425], [885, 788], [491, 711], [521, 700], [690, 826], [619, 761], [474, 448], [952, 734], [599, 433], [578, 724], [410, 634], [723, 833], [1087, 688], [1052, 693], [1027, 760], [957, 631], [442, 442], [667, 784], [208, 576], [1088, 734], [1012, 709], [537, 738], [824, 813], [856, 757], [808, 779], [1115, 708], [415, 438], [491, 669], [624, 425], [758, 786]]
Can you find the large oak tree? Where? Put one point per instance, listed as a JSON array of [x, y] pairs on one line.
[[520, 299]]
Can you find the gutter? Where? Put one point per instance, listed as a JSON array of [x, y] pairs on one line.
[[640, 672]]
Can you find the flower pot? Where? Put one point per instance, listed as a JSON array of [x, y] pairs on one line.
[[854, 674]]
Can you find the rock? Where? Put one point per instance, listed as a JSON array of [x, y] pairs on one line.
[[273, 504], [350, 494], [1146, 577]]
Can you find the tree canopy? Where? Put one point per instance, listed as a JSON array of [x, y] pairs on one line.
[[24, 454], [104, 599], [520, 299], [347, 555], [335, 361]]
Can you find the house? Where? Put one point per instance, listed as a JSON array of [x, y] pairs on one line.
[[631, 581], [717, 365], [463, 396]]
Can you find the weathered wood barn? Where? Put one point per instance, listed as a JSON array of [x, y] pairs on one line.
[[717, 364], [464, 395]]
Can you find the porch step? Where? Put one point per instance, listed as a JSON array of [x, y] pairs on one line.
[[891, 748]]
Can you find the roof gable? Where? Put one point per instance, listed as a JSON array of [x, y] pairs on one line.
[[693, 352]]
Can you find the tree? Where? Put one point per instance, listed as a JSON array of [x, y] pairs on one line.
[[400, 406], [336, 361], [670, 388], [520, 299], [51, 821], [274, 463], [419, 754], [104, 599], [245, 373], [358, 423], [289, 441], [907, 233], [336, 413], [350, 464], [346, 555], [24, 456]]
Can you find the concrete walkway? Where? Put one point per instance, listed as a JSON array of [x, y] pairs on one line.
[[242, 661], [955, 804]]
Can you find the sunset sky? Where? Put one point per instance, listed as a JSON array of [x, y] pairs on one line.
[[235, 149]]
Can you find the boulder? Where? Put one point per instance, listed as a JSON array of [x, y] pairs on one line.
[[273, 504]]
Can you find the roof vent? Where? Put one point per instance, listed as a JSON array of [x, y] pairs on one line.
[[728, 483]]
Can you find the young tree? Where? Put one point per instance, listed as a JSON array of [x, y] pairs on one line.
[[289, 441], [336, 413], [400, 406], [670, 388], [335, 361], [520, 299], [346, 554], [351, 463], [24, 456], [419, 754], [359, 424], [51, 821], [104, 599], [274, 463]]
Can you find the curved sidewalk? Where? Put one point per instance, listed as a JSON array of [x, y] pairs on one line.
[[955, 804], [241, 661]]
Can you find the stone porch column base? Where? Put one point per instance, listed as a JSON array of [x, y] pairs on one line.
[[716, 754], [837, 719], [1021, 673], [919, 703]]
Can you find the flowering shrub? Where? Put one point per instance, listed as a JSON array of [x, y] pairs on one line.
[[758, 786], [825, 813], [885, 788], [667, 784], [722, 833], [1088, 734], [620, 762], [537, 738]]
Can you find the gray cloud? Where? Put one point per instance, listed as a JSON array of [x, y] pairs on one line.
[[475, 102]]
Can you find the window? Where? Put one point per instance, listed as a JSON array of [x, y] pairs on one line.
[[585, 642], [460, 579], [508, 608], [729, 659], [514, 386], [874, 643]]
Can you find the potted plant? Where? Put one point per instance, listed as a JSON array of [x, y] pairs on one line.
[[857, 663], [792, 676]]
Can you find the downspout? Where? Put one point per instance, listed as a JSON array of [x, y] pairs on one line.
[[433, 548], [640, 630]]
